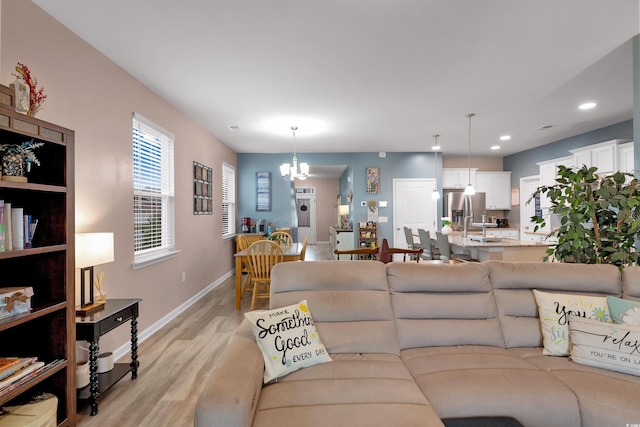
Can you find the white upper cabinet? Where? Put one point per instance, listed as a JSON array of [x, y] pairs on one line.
[[625, 157], [497, 187], [548, 171], [458, 177], [603, 156]]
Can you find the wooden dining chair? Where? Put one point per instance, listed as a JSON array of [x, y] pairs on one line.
[[241, 244], [282, 237], [303, 251], [262, 256]]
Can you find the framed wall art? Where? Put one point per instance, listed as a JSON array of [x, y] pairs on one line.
[[373, 180], [263, 191], [202, 189]]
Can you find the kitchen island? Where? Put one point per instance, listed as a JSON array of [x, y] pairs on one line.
[[504, 250]]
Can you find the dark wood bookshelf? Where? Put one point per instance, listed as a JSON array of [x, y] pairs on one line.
[[48, 330]]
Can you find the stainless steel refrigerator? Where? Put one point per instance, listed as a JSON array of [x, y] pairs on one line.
[[457, 206]]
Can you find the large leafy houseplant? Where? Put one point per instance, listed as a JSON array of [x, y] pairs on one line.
[[598, 215]]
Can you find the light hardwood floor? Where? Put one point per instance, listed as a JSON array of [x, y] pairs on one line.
[[176, 362]]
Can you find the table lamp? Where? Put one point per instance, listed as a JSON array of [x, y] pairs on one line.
[[343, 212], [91, 249]]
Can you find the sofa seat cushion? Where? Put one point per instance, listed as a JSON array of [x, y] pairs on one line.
[[353, 390], [606, 398], [485, 381]]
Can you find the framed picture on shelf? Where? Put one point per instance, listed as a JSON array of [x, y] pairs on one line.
[[202, 189]]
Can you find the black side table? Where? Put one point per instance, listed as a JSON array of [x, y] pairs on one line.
[[90, 328]]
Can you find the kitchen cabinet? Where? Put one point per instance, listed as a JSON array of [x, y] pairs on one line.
[[497, 189], [625, 158], [340, 239], [505, 233], [548, 173], [458, 177], [603, 156]]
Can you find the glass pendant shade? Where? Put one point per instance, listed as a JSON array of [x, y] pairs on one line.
[[435, 195]]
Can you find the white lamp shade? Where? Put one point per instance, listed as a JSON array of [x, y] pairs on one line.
[[435, 195], [469, 190], [93, 249], [284, 169], [304, 169], [343, 209]]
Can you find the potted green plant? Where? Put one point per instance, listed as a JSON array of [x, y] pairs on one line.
[[598, 216], [17, 159]]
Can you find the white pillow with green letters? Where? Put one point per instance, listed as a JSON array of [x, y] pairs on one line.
[[610, 346], [288, 339], [554, 311]]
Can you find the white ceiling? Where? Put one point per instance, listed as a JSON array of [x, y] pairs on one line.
[[375, 75]]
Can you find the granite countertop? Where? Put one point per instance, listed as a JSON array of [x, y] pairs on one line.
[[460, 241]]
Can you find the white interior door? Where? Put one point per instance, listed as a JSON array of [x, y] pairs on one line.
[[306, 210], [413, 207]]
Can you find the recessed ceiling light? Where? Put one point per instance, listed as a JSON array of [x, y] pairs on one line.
[[543, 127], [436, 147], [495, 147], [505, 137], [587, 105], [233, 128]]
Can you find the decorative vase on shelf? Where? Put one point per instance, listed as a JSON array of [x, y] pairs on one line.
[[14, 168], [446, 229]]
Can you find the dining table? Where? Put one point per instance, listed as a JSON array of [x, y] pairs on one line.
[[291, 253]]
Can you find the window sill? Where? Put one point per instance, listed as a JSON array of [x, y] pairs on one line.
[[147, 260]]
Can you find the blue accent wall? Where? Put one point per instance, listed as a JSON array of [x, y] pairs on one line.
[[395, 165]]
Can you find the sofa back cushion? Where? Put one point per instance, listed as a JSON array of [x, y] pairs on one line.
[[443, 305], [349, 301], [631, 283], [513, 284]]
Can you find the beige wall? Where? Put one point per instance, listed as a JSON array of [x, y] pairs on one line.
[[326, 204], [93, 96], [482, 163]]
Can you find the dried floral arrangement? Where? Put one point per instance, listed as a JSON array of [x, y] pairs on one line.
[[36, 96]]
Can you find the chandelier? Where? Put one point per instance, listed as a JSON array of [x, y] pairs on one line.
[[291, 172]]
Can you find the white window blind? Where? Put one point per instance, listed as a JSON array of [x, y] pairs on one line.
[[153, 192], [228, 200]]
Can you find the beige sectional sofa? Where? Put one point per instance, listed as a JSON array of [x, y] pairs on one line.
[[414, 344]]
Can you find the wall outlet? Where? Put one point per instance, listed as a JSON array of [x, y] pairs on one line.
[[184, 276]]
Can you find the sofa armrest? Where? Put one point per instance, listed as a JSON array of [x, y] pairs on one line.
[[231, 395]]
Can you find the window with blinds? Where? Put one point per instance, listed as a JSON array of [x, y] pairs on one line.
[[153, 193], [228, 200]]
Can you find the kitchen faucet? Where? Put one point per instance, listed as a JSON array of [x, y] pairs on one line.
[[465, 225]]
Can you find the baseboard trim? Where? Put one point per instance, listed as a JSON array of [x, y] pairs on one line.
[[124, 349]]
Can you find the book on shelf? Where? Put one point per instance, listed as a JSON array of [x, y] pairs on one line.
[[2, 245], [7, 226], [20, 374], [39, 368], [11, 365]]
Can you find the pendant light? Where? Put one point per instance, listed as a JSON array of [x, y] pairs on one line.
[[469, 190], [436, 194], [291, 172]]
